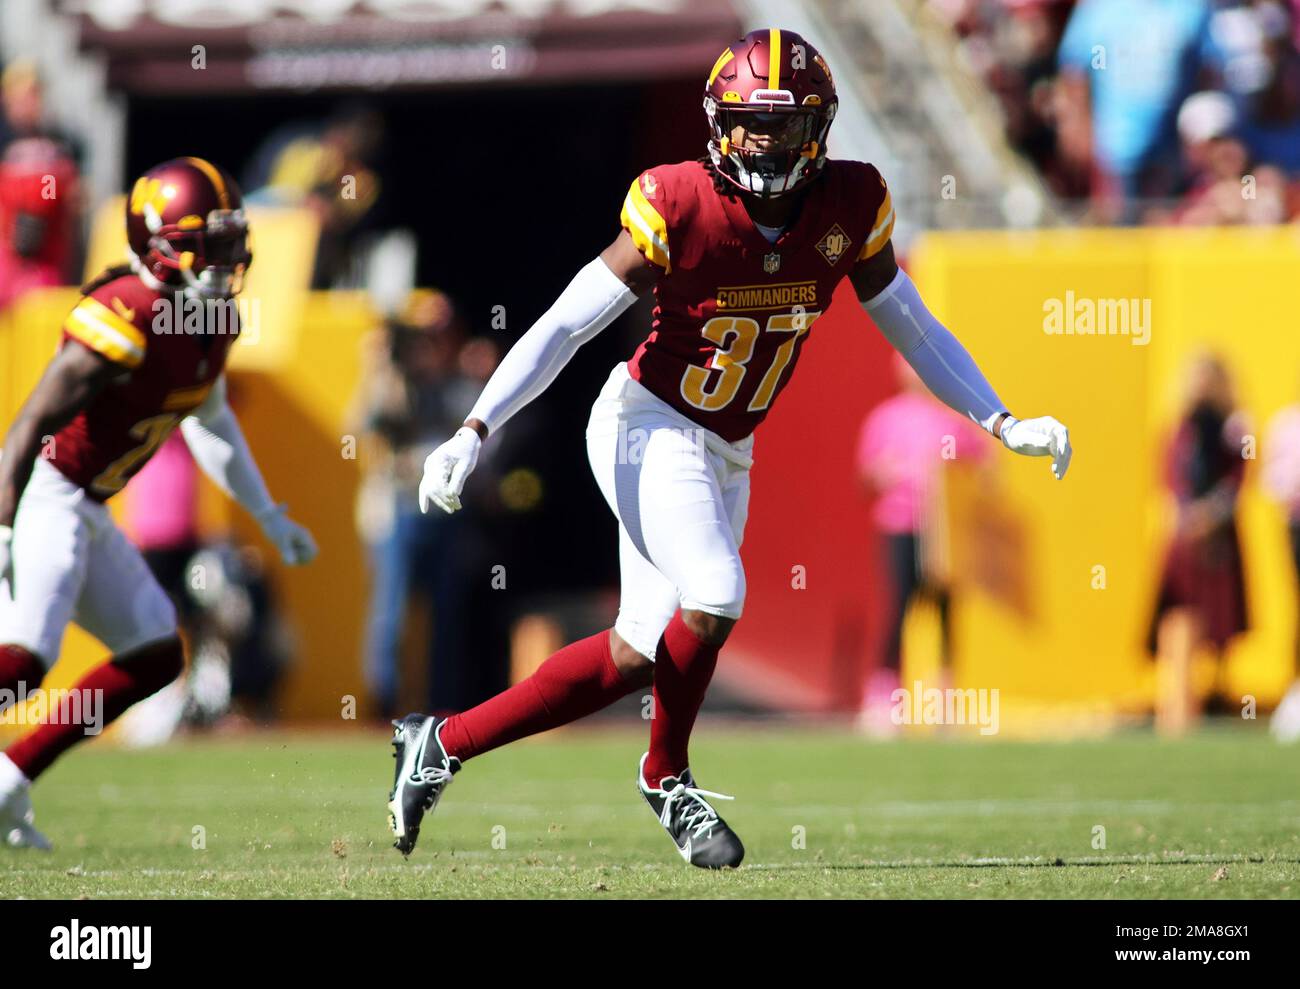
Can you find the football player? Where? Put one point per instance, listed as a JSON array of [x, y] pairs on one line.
[[743, 250], [142, 353]]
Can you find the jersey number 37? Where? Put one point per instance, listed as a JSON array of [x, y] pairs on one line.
[[736, 338]]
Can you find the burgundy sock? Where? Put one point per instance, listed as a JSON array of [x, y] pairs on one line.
[[122, 681], [577, 681], [18, 668], [683, 668]]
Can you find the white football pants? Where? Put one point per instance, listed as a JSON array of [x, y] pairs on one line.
[[72, 563], [681, 496]]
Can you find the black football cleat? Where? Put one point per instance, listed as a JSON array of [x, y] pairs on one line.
[[423, 771], [701, 836]]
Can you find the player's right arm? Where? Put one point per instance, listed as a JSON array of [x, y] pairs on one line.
[[70, 382], [598, 294]]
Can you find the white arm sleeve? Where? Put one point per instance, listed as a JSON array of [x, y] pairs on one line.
[[934, 353], [218, 446], [592, 301]]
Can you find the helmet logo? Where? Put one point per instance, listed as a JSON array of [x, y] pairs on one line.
[[821, 62], [149, 199]]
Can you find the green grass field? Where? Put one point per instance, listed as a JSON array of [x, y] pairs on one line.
[[823, 814]]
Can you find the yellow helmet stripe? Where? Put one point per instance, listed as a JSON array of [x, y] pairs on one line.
[[774, 58], [214, 176], [720, 64]]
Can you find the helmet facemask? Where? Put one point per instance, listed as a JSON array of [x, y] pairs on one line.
[[770, 149], [211, 257]]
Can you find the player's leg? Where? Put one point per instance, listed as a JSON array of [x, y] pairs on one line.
[[582, 678], [692, 506], [687, 512], [121, 605], [51, 543]]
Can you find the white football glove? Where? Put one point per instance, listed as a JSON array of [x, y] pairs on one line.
[[445, 471], [1041, 437], [7, 559], [296, 545]]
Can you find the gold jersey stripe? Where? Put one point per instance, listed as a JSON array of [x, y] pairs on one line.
[[104, 331], [774, 58], [185, 399], [649, 230], [881, 230]]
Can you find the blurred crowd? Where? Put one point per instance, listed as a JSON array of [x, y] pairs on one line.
[[1147, 111], [40, 198]]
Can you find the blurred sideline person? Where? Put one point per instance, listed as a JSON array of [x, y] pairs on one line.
[[39, 194], [904, 446], [742, 249], [412, 392], [1202, 594], [235, 639], [333, 171], [112, 394], [1281, 475]]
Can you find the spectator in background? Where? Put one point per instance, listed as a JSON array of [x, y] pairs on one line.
[[1202, 595], [904, 445], [39, 195], [1012, 47], [1281, 474], [1126, 67], [1219, 191], [412, 394], [1270, 125], [334, 172]]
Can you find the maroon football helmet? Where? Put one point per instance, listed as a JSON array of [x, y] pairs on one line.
[[777, 89], [186, 227]]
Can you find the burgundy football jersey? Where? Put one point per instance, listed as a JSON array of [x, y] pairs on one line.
[[170, 361], [733, 311]]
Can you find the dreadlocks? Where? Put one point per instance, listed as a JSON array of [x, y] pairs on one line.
[[106, 276], [720, 185]]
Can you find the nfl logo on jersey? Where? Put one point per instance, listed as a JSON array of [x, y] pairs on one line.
[[771, 263]]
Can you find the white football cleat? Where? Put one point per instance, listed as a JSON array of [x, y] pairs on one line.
[[1285, 723], [17, 829], [17, 818]]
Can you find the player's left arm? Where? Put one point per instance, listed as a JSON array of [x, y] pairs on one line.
[[217, 444], [946, 367]]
